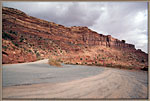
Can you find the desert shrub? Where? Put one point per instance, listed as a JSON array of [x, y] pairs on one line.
[[38, 56], [40, 46], [21, 39], [7, 36], [108, 65], [40, 38], [4, 47], [80, 58], [67, 63], [30, 51], [13, 32], [16, 44], [99, 64], [54, 62], [76, 63], [35, 51]]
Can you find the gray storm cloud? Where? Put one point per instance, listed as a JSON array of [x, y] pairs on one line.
[[122, 20]]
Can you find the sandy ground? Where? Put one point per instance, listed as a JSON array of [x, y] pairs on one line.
[[111, 83]]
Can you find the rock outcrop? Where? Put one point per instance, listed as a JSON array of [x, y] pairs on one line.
[[26, 38]]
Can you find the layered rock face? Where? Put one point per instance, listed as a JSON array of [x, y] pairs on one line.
[[91, 38], [26, 38]]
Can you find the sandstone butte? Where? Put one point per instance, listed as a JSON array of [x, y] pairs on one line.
[[26, 39]]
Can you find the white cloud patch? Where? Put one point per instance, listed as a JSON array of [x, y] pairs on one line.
[[123, 20]]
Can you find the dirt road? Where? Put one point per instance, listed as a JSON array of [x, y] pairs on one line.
[[108, 83]]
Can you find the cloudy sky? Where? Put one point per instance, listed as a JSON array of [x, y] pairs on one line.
[[122, 20]]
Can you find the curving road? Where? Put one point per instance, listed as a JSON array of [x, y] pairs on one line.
[[41, 72], [39, 80]]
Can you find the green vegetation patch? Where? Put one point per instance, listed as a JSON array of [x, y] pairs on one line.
[[38, 56], [13, 32], [16, 44], [7, 36], [4, 47]]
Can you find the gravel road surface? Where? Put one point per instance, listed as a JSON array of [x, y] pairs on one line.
[[39, 80], [41, 72]]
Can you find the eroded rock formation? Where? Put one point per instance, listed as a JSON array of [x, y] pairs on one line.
[[26, 38]]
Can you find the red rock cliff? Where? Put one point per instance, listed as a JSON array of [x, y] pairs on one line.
[[26, 38]]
